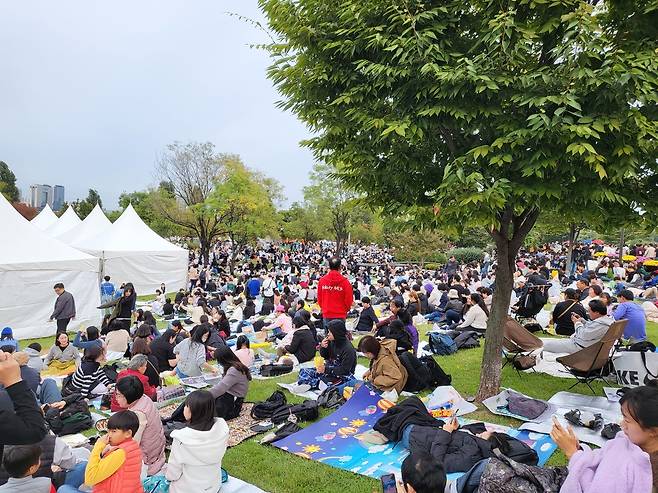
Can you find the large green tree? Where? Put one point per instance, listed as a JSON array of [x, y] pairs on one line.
[[8, 186], [191, 172], [477, 113], [83, 207], [244, 199]]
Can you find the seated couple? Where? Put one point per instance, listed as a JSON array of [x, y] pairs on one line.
[[586, 332], [629, 462]]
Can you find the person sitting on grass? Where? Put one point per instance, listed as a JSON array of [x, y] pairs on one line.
[[198, 449], [62, 355], [244, 353], [90, 338], [136, 367], [89, 378], [338, 352], [115, 463], [21, 462], [192, 354], [422, 473], [302, 343], [586, 332], [150, 436], [33, 352], [476, 315], [386, 371]]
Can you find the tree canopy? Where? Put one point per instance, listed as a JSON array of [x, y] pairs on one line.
[[83, 207], [8, 183], [477, 113]]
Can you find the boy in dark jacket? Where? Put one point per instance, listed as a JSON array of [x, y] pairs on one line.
[[338, 352], [367, 317]]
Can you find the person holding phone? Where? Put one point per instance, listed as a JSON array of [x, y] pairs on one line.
[[587, 332]]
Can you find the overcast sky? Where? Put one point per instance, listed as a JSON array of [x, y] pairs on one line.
[[91, 92]]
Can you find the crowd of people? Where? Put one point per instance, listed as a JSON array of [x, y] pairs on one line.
[[310, 303]]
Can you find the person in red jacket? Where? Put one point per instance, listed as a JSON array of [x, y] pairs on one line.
[[136, 367], [335, 295]]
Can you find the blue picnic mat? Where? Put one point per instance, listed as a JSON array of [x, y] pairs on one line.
[[336, 439]]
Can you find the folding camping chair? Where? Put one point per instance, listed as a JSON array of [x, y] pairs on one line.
[[517, 342], [590, 363]]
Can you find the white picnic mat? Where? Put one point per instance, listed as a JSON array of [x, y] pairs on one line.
[[547, 364], [235, 485], [565, 402]]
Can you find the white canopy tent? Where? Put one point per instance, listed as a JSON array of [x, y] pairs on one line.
[[31, 262], [95, 224], [130, 251], [66, 222], [45, 218]]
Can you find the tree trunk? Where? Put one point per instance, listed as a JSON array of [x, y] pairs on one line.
[[205, 250], [572, 240], [622, 241], [509, 238], [491, 360]]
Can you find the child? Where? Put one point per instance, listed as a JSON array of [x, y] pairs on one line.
[[7, 340], [21, 462], [115, 463], [198, 449]]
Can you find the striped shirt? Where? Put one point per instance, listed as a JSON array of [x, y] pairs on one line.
[[88, 375]]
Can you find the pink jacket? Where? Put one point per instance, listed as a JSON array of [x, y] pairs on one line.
[[617, 466], [152, 441]]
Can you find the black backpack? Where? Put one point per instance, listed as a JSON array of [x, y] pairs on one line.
[[306, 411], [438, 377], [275, 370], [468, 339], [330, 398], [264, 410], [74, 418]]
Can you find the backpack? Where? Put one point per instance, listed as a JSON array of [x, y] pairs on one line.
[[264, 410], [644, 346], [275, 370], [438, 377], [74, 418], [306, 411], [330, 398], [467, 340], [442, 344], [418, 373]]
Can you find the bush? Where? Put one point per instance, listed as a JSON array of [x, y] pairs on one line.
[[467, 255], [433, 266]]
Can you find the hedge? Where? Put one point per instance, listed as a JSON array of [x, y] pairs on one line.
[[467, 254]]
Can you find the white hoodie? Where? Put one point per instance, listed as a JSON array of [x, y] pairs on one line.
[[196, 459]]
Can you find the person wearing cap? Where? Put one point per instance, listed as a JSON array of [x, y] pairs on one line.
[[454, 307], [7, 340], [335, 293], [338, 352], [283, 322]]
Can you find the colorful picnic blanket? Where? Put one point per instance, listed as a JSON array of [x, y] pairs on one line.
[[336, 439]]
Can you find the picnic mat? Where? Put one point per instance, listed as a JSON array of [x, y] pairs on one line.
[[58, 369], [565, 402], [336, 439], [240, 427], [235, 485], [498, 405]]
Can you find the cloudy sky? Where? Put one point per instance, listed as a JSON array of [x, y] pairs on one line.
[[91, 92]]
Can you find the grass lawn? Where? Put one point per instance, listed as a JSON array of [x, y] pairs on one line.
[[277, 471]]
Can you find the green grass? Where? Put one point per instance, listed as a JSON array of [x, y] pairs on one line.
[[276, 471]]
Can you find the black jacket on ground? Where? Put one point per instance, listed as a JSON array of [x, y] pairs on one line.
[[410, 411], [459, 451], [302, 345]]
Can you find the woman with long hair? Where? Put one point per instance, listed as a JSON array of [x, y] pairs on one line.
[[198, 449], [230, 392], [123, 307], [476, 315], [192, 354], [90, 338], [62, 354]]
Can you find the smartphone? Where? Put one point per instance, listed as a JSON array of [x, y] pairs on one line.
[[389, 485]]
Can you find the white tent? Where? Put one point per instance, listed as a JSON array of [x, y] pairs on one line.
[[31, 262], [45, 218], [96, 223], [130, 251], [66, 222]]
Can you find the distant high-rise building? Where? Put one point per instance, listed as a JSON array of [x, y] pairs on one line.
[[40, 195], [58, 197]]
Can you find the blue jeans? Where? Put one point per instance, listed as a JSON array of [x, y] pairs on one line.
[[453, 316], [470, 481], [406, 434], [434, 316], [48, 392], [74, 479], [180, 374]]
